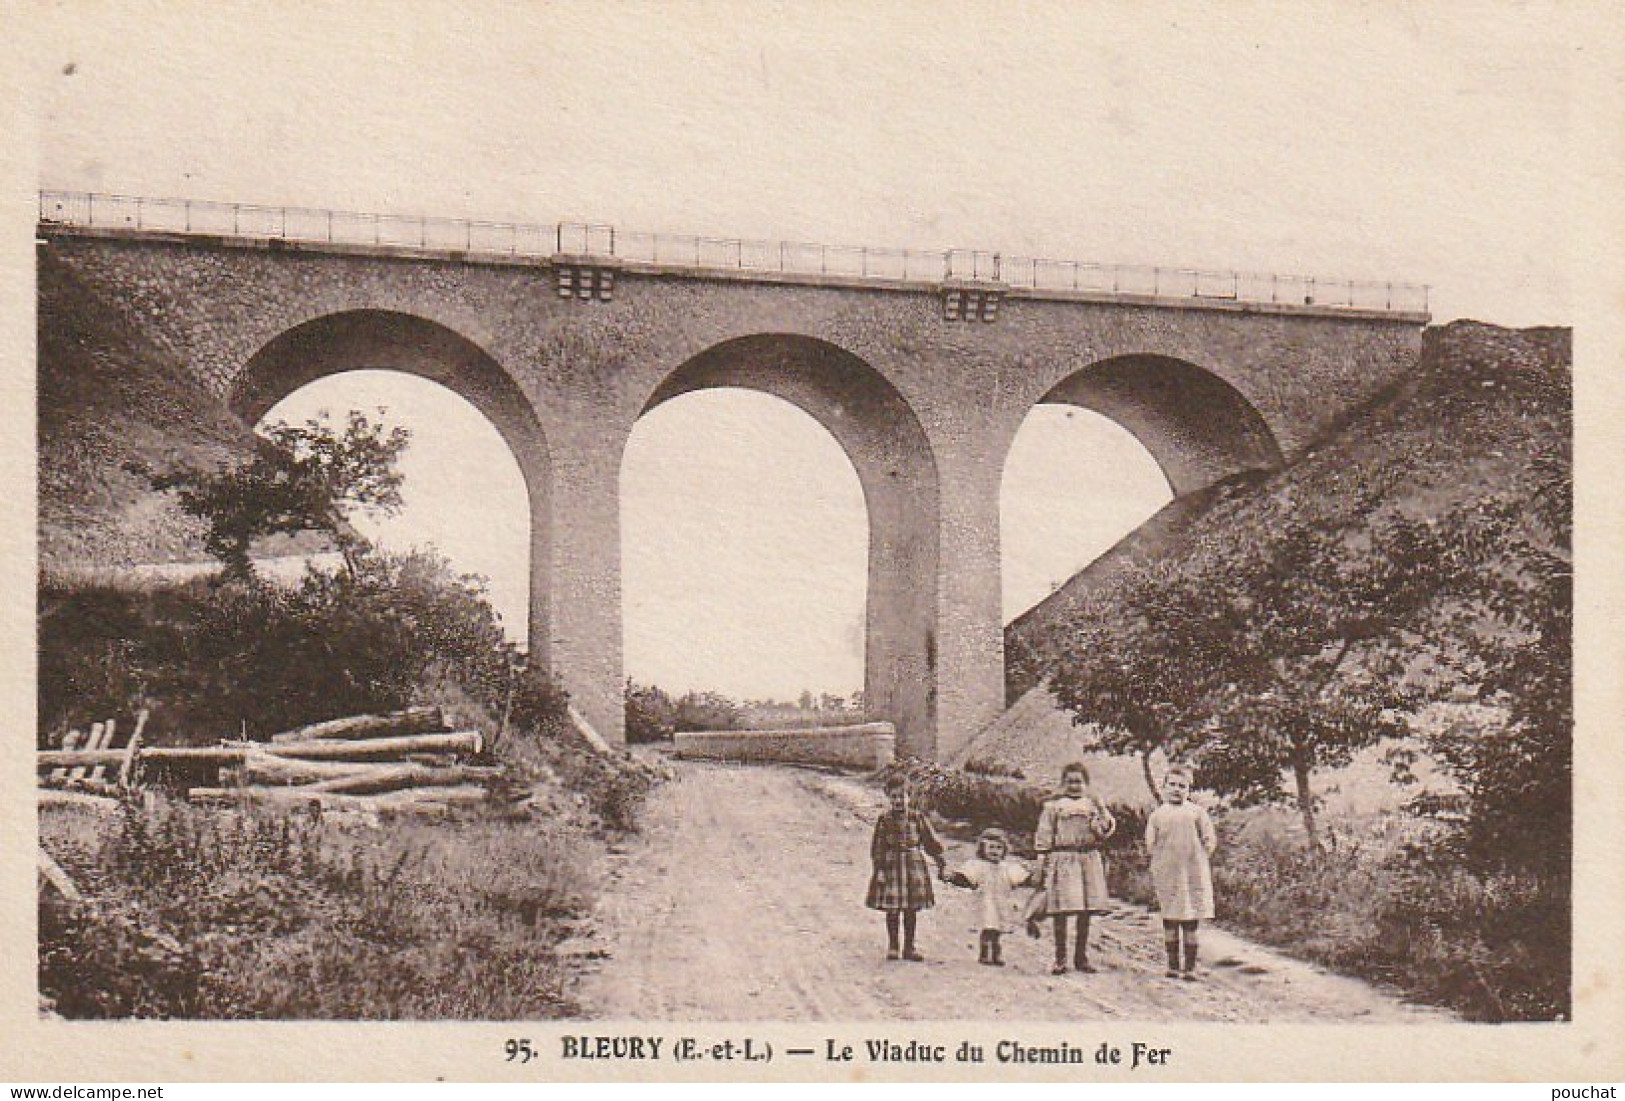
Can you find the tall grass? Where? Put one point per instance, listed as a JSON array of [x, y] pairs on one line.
[[1491, 944], [215, 914]]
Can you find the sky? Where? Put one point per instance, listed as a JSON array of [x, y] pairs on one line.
[[796, 586], [1418, 142]]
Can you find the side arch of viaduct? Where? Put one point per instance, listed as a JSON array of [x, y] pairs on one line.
[[363, 339], [1197, 427]]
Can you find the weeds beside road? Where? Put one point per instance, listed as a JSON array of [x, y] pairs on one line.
[[201, 913], [196, 912]]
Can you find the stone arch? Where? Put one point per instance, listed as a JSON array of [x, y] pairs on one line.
[[388, 340], [888, 448], [1198, 427]]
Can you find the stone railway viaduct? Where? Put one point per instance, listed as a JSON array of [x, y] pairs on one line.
[[923, 381]]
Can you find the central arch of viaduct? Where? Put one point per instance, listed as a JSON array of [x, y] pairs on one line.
[[926, 408], [892, 456]]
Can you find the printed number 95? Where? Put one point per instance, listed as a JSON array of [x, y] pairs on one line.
[[519, 1049]]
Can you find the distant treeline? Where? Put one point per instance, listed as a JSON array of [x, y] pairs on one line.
[[653, 714]]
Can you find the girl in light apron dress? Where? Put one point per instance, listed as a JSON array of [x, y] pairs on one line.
[[993, 875], [1180, 838], [1072, 829]]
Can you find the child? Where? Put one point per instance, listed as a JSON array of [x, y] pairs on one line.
[[1180, 838], [992, 876], [901, 883], [1072, 827]]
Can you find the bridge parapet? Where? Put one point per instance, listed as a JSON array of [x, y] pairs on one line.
[[476, 240]]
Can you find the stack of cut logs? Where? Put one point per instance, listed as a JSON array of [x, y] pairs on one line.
[[406, 760], [92, 754], [402, 761]]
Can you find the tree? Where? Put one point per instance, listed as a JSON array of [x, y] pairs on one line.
[[308, 477], [1514, 622], [1314, 670], [1264, 666], [1127, 674]]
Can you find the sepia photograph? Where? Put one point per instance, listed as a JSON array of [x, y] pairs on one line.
[[814, 541]]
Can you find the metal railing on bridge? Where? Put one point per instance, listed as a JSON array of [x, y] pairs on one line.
[[541, 241]]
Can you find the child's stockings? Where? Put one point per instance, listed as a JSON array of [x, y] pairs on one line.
[[1170, 941], [1080, 951], [1171, 934]]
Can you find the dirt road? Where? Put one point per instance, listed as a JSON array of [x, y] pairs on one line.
[[743, 900]]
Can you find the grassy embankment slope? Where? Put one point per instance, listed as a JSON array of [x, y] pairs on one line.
[[1485, 420], [1461, 428], [111, 398]]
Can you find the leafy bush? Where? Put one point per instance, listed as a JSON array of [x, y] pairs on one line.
[[707, 711], [200, 913], [108, 650], [979, 767], [653, 716], [250, 657], [986, 801], [650, 714], [1495, 945]]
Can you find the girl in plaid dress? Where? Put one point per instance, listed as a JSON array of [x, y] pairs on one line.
[[901, 883]]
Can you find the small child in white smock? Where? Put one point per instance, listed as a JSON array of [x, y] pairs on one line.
[[993, 875]]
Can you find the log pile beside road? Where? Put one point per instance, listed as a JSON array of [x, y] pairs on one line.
[[403, 761]]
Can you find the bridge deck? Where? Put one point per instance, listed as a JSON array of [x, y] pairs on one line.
[[468, 241]]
